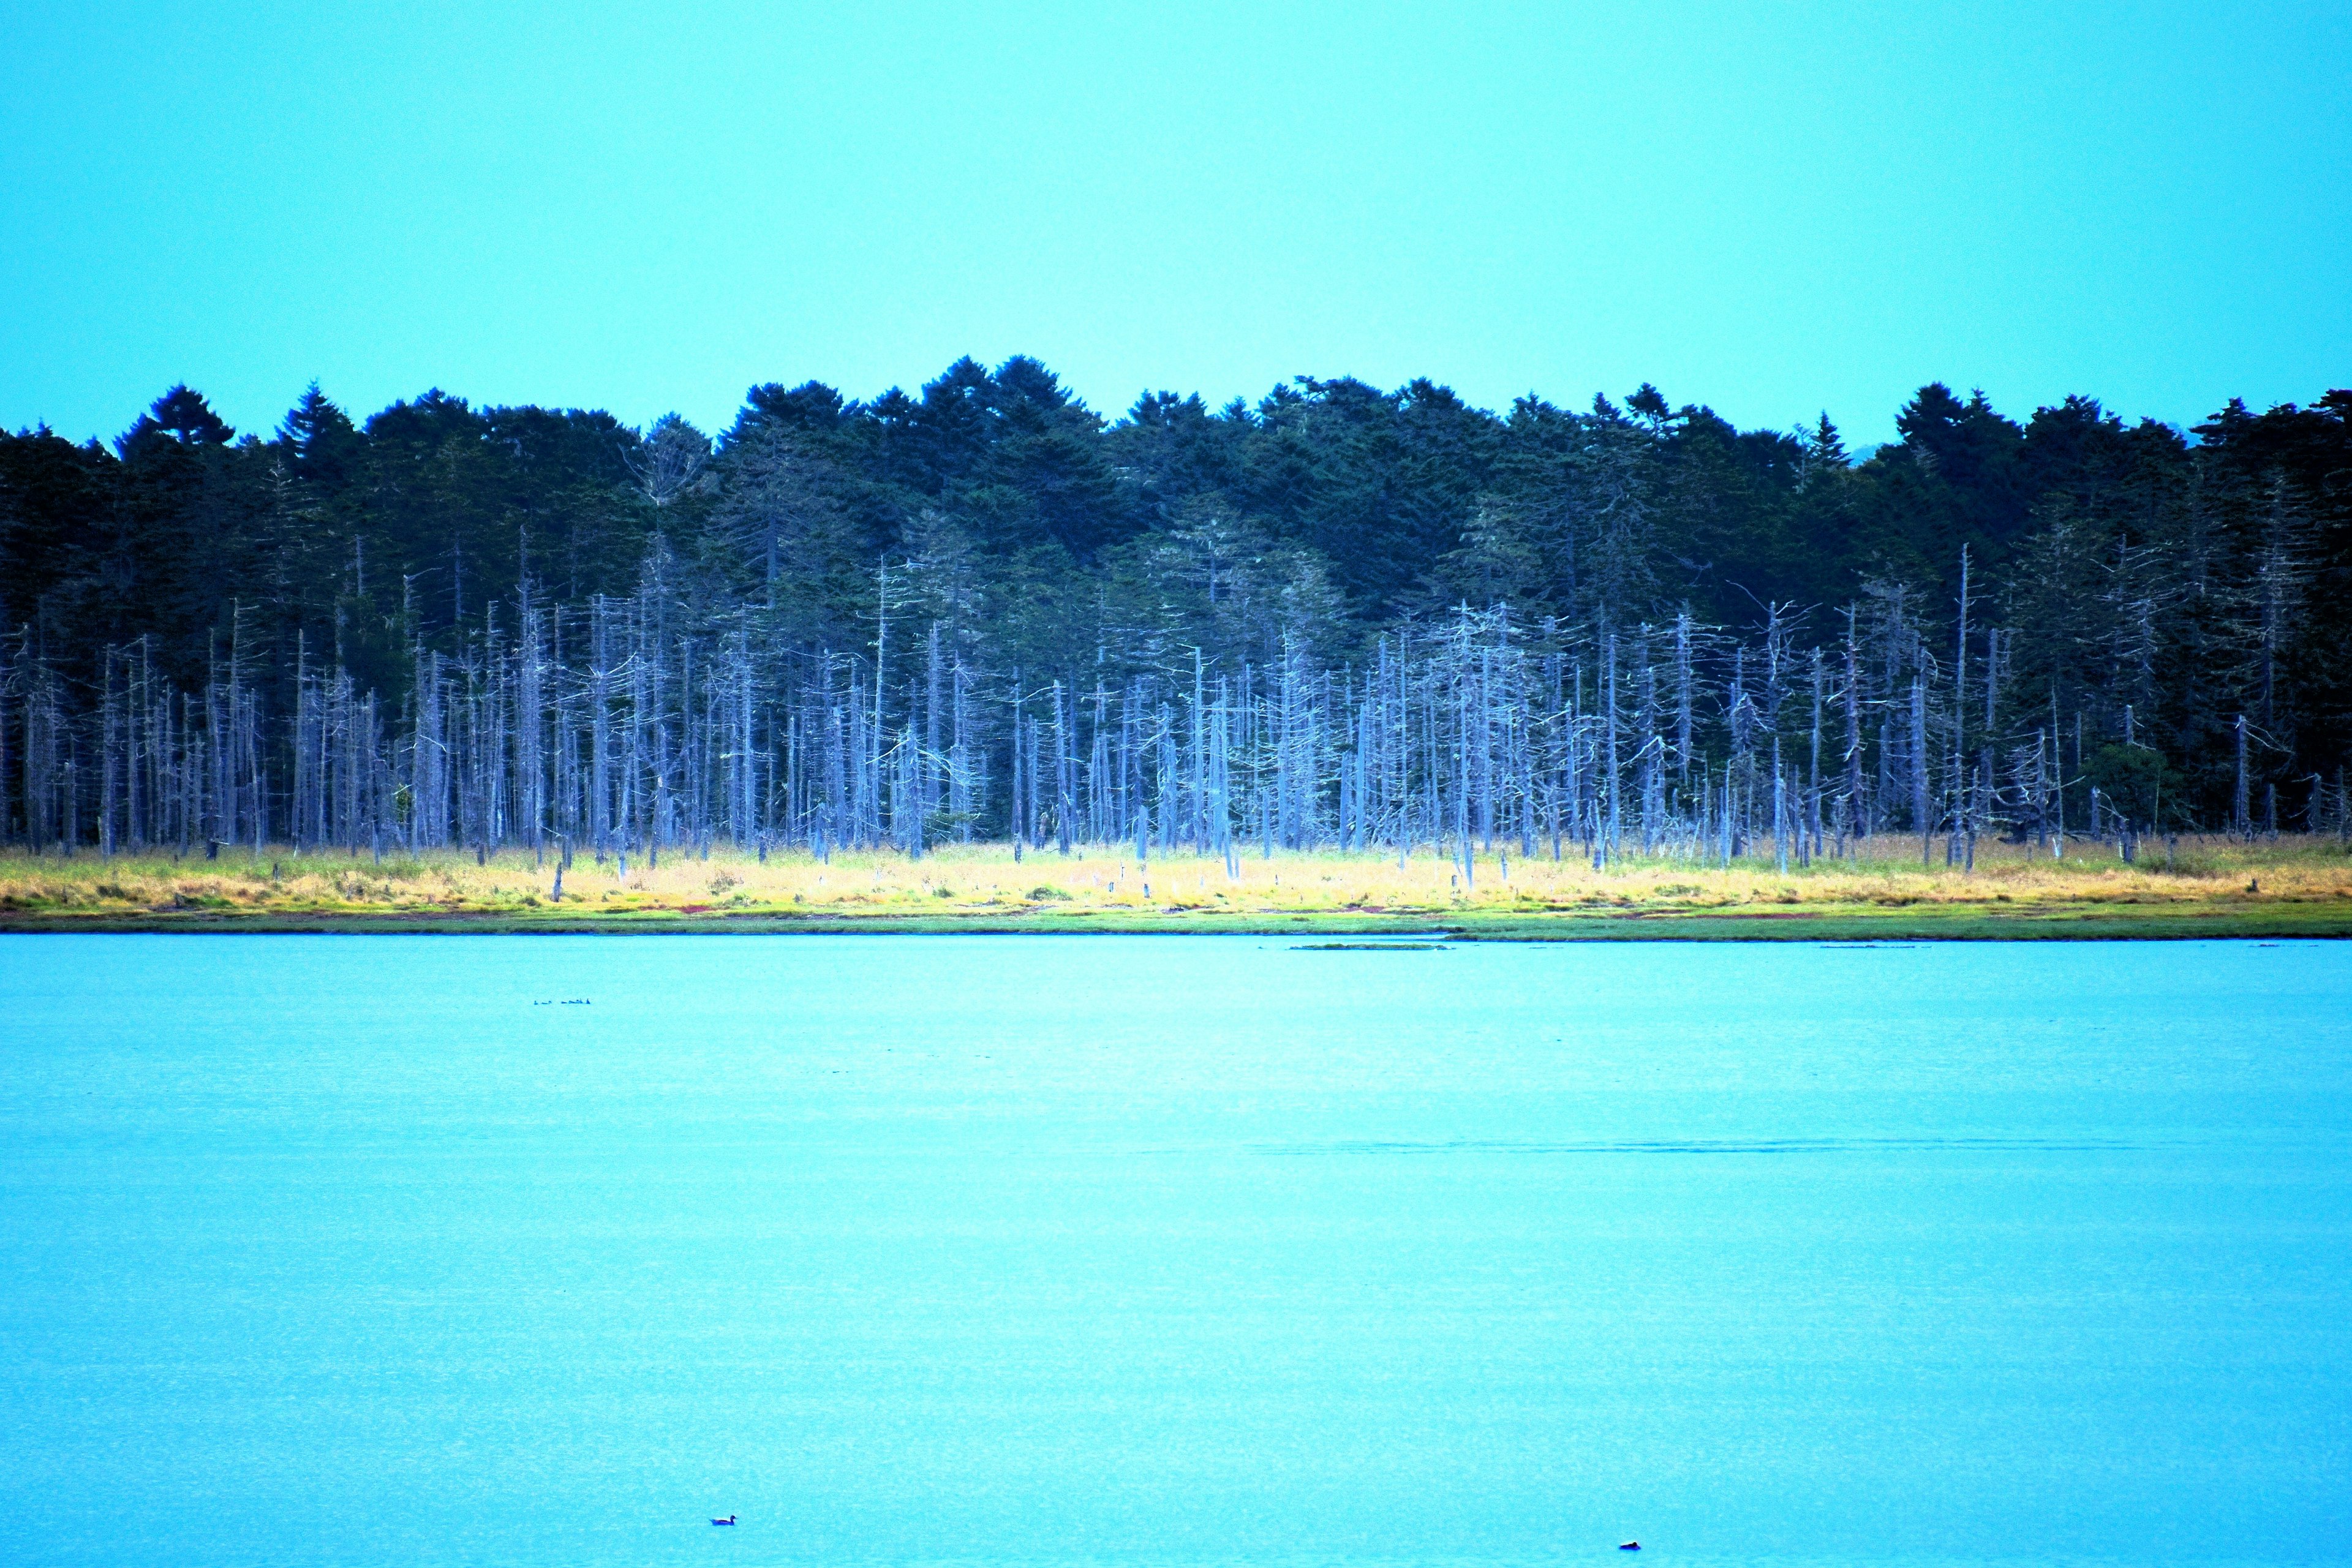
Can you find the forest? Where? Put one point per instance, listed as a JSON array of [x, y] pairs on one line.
[[1340, 619]]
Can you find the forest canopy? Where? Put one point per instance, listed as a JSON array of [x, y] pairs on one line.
[[841, 621]]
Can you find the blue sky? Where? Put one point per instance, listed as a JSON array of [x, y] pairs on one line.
[[1773, 210]]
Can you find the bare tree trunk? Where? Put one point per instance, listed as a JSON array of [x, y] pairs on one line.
[[2242, 823], [1921, 814]]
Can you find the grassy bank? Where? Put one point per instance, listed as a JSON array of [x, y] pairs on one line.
[[2197, 888]]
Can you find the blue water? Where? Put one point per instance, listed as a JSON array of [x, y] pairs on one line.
[[1033, 1251]]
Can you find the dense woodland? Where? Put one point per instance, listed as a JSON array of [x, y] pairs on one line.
[[1344, 618]]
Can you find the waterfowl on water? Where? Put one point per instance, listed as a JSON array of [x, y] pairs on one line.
[[729, 1520], [1629, 1546]]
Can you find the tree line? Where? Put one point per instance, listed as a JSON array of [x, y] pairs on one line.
[[1382, 622]]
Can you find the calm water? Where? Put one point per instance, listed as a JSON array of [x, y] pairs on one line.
[[1194, 1250]]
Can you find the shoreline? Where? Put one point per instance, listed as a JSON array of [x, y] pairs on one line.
[[2090, 923], [2201, 889]]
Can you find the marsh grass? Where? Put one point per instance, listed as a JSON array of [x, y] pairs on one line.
[[986, 884]]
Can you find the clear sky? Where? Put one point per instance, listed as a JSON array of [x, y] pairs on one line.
[[1775, 210]]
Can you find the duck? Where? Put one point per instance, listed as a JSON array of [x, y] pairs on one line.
[[729, 1520], [1629, 1546]]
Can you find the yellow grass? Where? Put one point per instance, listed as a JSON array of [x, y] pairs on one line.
[[962, 884]]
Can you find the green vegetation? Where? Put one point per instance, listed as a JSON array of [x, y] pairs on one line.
[[1338, 617]]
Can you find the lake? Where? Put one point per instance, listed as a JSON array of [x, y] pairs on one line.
[[1190, 1249]]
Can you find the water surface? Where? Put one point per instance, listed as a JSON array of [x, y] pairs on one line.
[[1041, 1251]]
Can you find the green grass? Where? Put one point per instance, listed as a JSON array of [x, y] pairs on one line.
[[1863, 925]]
